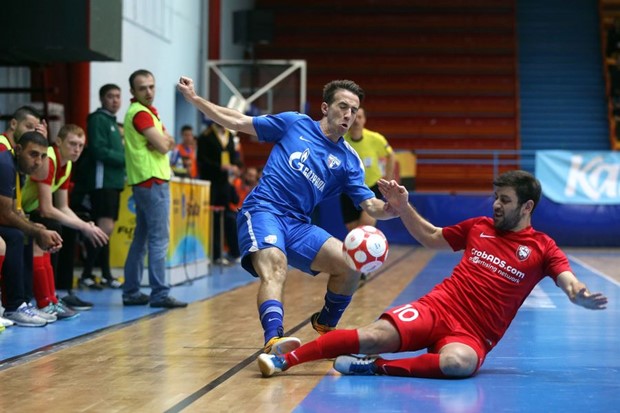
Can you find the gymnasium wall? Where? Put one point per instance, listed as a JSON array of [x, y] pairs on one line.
[[569, 225]]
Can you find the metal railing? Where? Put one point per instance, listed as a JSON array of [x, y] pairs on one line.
[[519, 159]]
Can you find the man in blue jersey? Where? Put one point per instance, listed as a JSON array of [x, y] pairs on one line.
[[309, 162]]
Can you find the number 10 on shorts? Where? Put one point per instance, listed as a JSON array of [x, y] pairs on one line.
[[406, 313]]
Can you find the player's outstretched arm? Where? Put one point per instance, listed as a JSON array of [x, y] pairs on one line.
[[423, 231], [378, 209], [578, 293], [228, 118]]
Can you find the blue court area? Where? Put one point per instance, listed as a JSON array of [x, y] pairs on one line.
[[108, 311], [555, 357]]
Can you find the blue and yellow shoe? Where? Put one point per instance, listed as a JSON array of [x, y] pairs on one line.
[[355, 365], [269, 364], [281, 345]]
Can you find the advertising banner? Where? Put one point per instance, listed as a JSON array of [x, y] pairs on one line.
[[587, 178], [190, 224]]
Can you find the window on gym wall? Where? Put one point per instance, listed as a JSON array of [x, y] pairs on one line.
[[153, 16]]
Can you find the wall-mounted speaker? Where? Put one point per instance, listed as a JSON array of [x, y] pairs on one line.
[[252, 26], [37, 31]]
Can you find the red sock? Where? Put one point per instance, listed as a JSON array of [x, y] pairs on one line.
[[40, 279], [332, 344], [426, 366], [51, 283]]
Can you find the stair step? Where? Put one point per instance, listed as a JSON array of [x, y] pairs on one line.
[[437, 75]]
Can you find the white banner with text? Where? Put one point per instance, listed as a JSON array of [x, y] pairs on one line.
[[587, 177]]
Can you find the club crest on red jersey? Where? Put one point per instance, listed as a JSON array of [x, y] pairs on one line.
[[523, 252]]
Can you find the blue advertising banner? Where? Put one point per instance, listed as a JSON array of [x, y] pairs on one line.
[[587, 178]]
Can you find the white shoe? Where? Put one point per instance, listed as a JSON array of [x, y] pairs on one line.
[[25, 317], [270, 364], [5, 322], [43, 313], [223, 262]]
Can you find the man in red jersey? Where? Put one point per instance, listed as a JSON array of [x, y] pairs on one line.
[[466, 314]]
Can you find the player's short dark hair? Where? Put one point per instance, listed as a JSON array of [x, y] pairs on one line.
[[103, 90], [330, 89], [186, 127], [23, 111], [70, 128], [32, 137], [525, 184], [139, 72]]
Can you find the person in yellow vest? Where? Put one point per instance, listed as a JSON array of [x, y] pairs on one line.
[[378, 158], [25, 119], [372, 148], [148, 172], [29, 154], [45, 198], [4, 322]]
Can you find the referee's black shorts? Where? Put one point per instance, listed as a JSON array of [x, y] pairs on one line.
[[349, 212], [105, 203]]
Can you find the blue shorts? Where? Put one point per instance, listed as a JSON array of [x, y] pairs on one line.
[[299, 241]]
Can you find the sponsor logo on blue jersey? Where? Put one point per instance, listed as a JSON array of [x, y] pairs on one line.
[[297, 163]]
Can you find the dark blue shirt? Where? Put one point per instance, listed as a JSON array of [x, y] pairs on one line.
[[8, 170]]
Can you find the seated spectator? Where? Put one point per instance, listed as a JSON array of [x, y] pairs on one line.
[[4, 322], [244, 184], [241, 187], [45, 199], [25, 119], [29, 154], [183, 157]]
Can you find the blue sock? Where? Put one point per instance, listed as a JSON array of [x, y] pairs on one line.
[[271, 315], [335, 304]]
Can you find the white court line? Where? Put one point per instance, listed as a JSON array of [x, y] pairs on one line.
[[594, 270], [538, 298]]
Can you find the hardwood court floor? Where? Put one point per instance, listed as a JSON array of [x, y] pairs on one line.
[[202, 359]]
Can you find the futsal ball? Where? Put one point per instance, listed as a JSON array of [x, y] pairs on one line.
[[365, 249]]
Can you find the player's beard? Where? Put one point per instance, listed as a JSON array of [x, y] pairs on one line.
[[507, 221], [27, 169]]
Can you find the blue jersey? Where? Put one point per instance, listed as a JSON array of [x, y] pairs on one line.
[[304, 167]]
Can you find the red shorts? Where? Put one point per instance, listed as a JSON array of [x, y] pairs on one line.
[[421, 327]]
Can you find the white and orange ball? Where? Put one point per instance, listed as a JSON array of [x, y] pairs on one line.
[[365, 249]]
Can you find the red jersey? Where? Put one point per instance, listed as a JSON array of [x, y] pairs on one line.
[[143, 120], [5, 143], [498, 271]]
